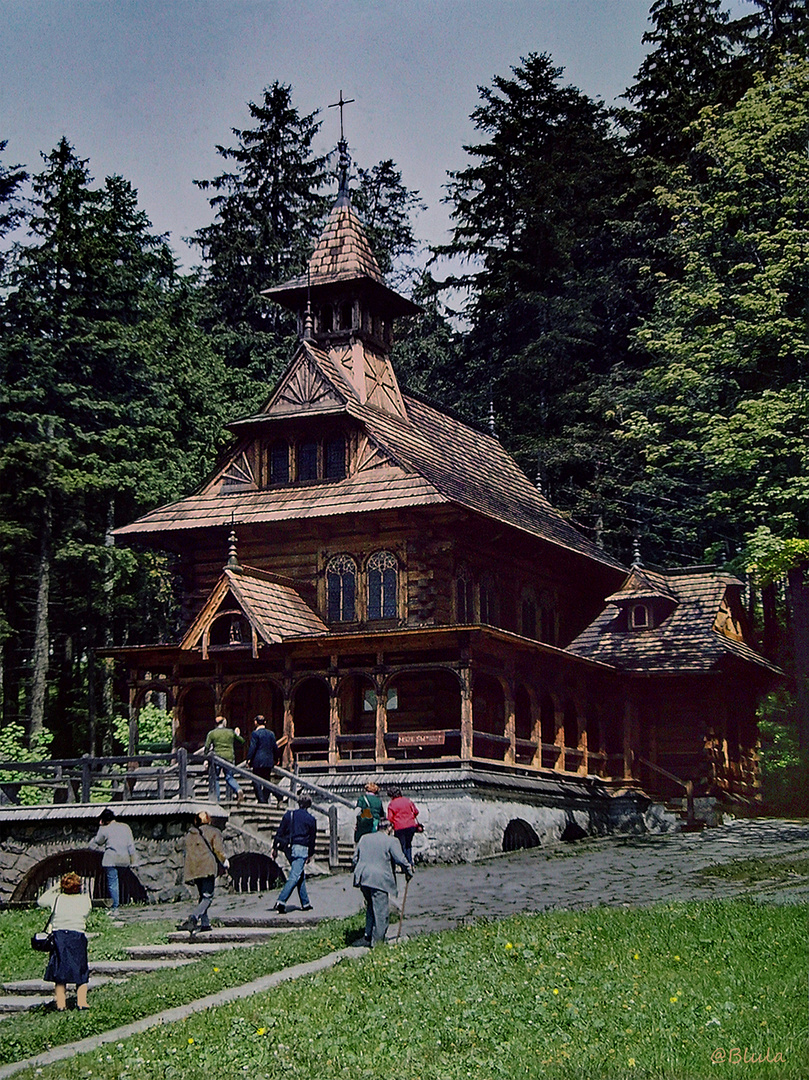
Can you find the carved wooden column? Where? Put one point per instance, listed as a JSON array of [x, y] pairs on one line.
[[289, 724], [381, 751], [466, 713], [583, 744], [629, 737], [334, 720], [559, 740], [510, 710]]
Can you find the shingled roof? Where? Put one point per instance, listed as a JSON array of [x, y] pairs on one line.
[[273, 608], [424, 458], [686, 641]]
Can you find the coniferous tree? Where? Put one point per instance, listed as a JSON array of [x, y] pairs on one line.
[[533, 217], [105, 411], [269, 208]]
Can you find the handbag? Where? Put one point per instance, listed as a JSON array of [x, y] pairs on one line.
[[419, 827], [42, 940]]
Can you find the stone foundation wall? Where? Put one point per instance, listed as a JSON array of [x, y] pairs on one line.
[[159, 842]]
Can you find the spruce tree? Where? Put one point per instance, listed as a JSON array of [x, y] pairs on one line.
[[110, 401]]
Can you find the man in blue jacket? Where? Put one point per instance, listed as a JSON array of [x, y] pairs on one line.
[[262, 754], [296, 838]]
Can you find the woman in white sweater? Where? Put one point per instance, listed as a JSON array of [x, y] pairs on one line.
[[68, 959]]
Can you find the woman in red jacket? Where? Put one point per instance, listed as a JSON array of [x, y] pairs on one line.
[[403, 815]]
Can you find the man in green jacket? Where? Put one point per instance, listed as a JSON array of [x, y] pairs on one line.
[[222, 740]]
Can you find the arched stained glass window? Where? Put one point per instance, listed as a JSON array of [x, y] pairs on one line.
[[383, 579], [341, 589]]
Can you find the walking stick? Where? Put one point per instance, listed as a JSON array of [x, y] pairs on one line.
[[401, 911]]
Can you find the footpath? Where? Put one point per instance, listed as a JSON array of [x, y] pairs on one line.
[[615, 871]]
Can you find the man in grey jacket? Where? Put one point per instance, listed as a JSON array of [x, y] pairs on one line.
[[375, 859]]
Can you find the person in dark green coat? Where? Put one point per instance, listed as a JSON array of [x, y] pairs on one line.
[[371, 811]]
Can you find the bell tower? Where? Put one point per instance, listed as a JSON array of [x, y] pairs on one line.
[[343, 306]]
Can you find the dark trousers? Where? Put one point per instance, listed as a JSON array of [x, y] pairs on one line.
[[377, 914], [262, 793], [205, 887]]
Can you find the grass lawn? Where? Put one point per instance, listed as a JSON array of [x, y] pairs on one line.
[[113, 1005], [670, 992]]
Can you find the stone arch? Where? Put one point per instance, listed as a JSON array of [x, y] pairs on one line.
[[253, 871], [85, 863], [519, 834], [196, 714], [488, 717]]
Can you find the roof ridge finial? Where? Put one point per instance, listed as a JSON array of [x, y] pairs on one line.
[[637, 561], [308, 321], [344, 164], [492, 428], [233, 559]]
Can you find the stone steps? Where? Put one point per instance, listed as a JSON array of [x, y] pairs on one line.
[[179, 949]]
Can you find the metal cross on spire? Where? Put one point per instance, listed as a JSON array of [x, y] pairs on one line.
[[345, 160], [339, 105]]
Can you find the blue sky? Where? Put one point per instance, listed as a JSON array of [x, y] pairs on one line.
[[147, 88]]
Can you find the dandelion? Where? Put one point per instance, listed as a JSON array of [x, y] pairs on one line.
[[555, 990], [636, 956], [509, 945], [261, 1031], [190, 1041], [216, 969], [632, 1062], [673, 1000]]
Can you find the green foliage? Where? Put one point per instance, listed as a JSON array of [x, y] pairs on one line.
[[770, 557], [649, 993], [719, 413], [147, 993], [154, 727], [386, 208], [112, 402], [784, 771], [15, 747]]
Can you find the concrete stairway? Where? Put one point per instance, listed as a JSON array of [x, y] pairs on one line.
[[264, 820]]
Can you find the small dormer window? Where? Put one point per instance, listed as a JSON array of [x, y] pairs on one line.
[[279, 463], [639, 617], [307, 461], [334, 459]]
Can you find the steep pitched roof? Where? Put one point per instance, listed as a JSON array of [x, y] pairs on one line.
[[422, 458], [686, 641], [342, 253], [273, 608]]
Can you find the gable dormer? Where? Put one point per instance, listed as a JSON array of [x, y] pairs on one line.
[[643, 602]]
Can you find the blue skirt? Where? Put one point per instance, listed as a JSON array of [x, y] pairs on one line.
[[68, 959]]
